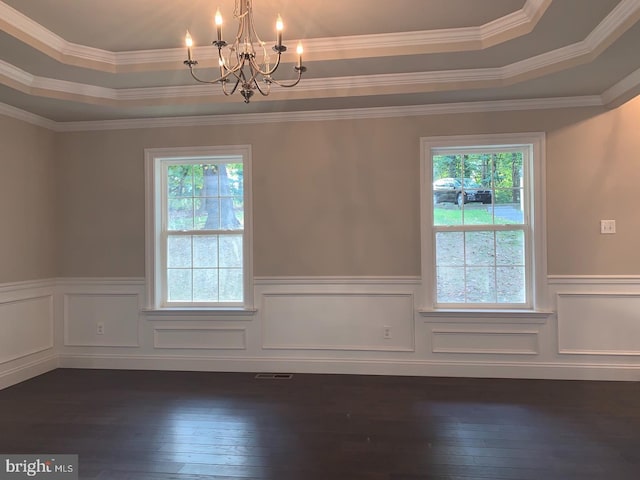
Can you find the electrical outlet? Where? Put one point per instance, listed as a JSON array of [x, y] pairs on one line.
[[100, 328], [607, 227], [386, 333]]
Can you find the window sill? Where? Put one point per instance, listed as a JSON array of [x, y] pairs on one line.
[[485, 315], [197, 312]]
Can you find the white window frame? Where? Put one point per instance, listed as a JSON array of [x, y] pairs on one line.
[[155, 160], [535, 230]]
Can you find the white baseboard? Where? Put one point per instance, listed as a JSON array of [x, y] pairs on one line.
[[29, 370], [529, 370]]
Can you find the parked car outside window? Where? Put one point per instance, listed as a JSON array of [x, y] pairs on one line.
[[455, 191]]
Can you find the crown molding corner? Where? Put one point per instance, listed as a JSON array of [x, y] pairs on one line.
[[623, 91], [28, 117]]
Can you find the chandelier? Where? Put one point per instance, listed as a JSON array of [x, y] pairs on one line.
[[238, 61]]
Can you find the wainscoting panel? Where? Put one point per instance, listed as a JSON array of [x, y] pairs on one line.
[[338, 325], [116, 313], [338, 321], [599, 323], [211, 338], [26, 327], [27, 340], [505, 342]]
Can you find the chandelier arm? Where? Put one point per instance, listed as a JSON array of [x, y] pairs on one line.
[[265, 73], [222, 79], [230, 71], [197, 79], [233, 73], [242, 79], [266, 91], [247, 28], [255, 71], [300, 71], [233, 90]]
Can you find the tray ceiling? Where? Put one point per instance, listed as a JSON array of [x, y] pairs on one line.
[[70, 61]]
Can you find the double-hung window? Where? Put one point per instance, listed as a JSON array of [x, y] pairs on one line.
[[198, 227], [483, 225]]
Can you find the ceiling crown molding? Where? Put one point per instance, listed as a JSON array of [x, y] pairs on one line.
[[492, 33], [525, 19], [321, 115], [101, 91], [622, 17], [618, 21], [27, 117], [623, 91], [24, 28], [50, 87]]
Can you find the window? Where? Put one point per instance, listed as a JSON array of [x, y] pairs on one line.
[[198, 227], [483, 238]]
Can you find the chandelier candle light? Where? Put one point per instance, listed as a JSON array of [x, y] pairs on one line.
[[237, 60]]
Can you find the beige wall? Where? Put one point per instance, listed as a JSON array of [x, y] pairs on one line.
[[342, 197], [593, 173], [27, 214]]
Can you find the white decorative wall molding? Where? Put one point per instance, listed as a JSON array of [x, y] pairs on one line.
[[26, 327], [112, 302], [485, 316], [117, 282], [208, 338], [203, 314], [335, 280], [604, 323], [340, 320], [25, 289], [26, 319], [494, 342], [114, 314], [598, 316], [27, 346], [579, 280], [331, 325]]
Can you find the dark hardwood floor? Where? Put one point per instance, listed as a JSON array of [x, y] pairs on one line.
[[189, 425]]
